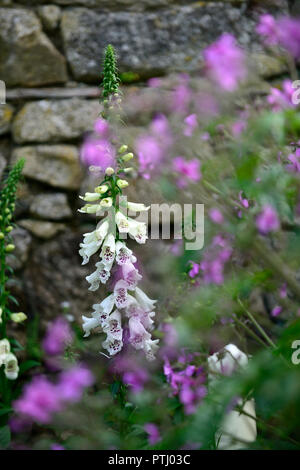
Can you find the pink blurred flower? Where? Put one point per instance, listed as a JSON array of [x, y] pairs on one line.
[[283, 291], [281, 99], [238, 127], [98, 152], [150, 154], [39, 400], [194, 271], [284, 32], [276, 311], [216, 216], [181, 97], [187, 383], [56, 446], [268, 28], [72, 383], [267, 221], [294, 159], [289, 35], [225, 62], [154, 82], [58, 335], [213, 263], [136, 379], [153, 433], [190, 170], [190, 125], [101, 127]]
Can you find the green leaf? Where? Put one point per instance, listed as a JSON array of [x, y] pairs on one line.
[[16, 345], [4, 437], [28, 365], [5, 411]]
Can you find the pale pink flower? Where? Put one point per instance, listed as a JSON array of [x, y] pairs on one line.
[[225, 62], [267, 221]]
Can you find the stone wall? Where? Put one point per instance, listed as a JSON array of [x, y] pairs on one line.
[[50, 61]]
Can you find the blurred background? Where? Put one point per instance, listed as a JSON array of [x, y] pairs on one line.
[[51, 63]]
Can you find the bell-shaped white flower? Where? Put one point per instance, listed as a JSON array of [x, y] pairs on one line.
[[113, 325], [150, 348], [113, 329], [123, 254], [147, 321], [90, 209], [237, 428], [11, 368], [134, 309], [99, 316], [101, 274], [131, 275], [106, 202], [138, 230], [144, 301], [137, 207], [4, 349], [108, 249], [120, 294], [122, 222], [92, 241], [138, 334], [226, 361], [90, 323]]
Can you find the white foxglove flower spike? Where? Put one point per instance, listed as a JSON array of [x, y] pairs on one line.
[[117, 261]]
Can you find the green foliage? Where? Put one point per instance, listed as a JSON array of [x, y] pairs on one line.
[[7, 206], [110, 83]]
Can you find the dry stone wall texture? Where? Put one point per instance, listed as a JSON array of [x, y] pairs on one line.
[[50, 51]]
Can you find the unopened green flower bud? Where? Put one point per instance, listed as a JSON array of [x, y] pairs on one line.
[[7, 211], [128, 170], [127, 157], [123, 148], [9, 228], [101, 189], [109, 171], [1, 235], [9, 248], [18, 317], [122, 184]]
